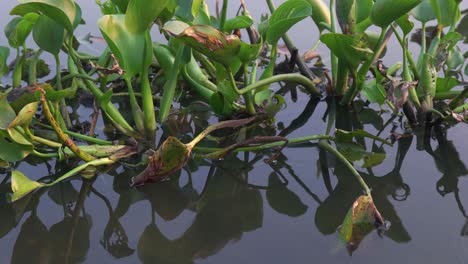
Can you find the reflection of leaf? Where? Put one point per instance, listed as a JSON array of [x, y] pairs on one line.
[[63, 193], [166, 199], [59, 239], [361, 219], [252, 207], [8, 218], [32, 243], [283, 200]]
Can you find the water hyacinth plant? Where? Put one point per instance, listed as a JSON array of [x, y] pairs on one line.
[[137, 85]]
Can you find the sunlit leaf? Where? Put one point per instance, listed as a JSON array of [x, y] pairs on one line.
[[284, 17], [133, 50], [238, 22], [361, 219], [385, 12], [141, 14], [64, 12], [18, 29], [25, 116], [347, 48], [21, 185]]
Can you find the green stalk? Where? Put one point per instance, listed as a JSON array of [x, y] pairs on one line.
[[291, 141], [17, 74], [137, 114], [361, 74], [334, 59], [64, 116], [170, 86], [412, 64], [341, 82], [109, 109], [247, 95], [457, 101], [33, 68], [325, 145], [81, 136], [148, 105], [291, 77], [222, 20]]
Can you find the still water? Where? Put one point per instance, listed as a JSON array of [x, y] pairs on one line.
[[242, 210]]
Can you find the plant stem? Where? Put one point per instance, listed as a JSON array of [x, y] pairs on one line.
[[361, 74], [223, 15], [137, 114], [325, 145], [65, 117], [291, 141], [62, 136], [334, 59], [81, 136], [457, 101], [33, 67], [247, 97]]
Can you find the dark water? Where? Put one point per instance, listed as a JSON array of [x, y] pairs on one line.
[[242, 210]]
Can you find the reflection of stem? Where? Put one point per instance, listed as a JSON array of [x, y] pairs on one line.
[[85, 187], [459, 203], [325, 145]]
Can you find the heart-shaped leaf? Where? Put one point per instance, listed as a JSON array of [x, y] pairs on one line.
[[238, 22], [133, 50], [22, 185], [64, 12], [286, 16], [347, 48], [141, 14], [18, 29], [446, 11], [424, 12], [10, 151], [385, 12], [48, 34]]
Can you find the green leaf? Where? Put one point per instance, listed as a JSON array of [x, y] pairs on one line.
[[385, 12], [8, 114], [249, 52], [196, 6], [64, 12], [360, 220], [424, 12], [133, 50], [25, 115], [122, 4], [17, 135], [18, 29], [286, 16], [320, 14], [347, 48], [351, 13], [21, 185], [141, 14], [405, 24], [446, 84], [11, 151], [446, 11], [238, 22], [48, 34], [375, 93], [4, 53]]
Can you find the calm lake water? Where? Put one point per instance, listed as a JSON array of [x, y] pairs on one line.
[[242, 210]]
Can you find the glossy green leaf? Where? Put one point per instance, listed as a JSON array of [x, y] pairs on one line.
[[18, 29], [48, 34], [249, 52], [446, 84], [446, 11], [347, 48], [4, 53], [8, 114], [11, 151], [424, 12], [352, 12], [133, 50], [455, 59], [385, 12], [141, 14], [17, 135], [22, 185], [375, 93], [320, 14], [238, 22], [286, 16], [64, 12], [25, 116], [360, 220], [196, 5]]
